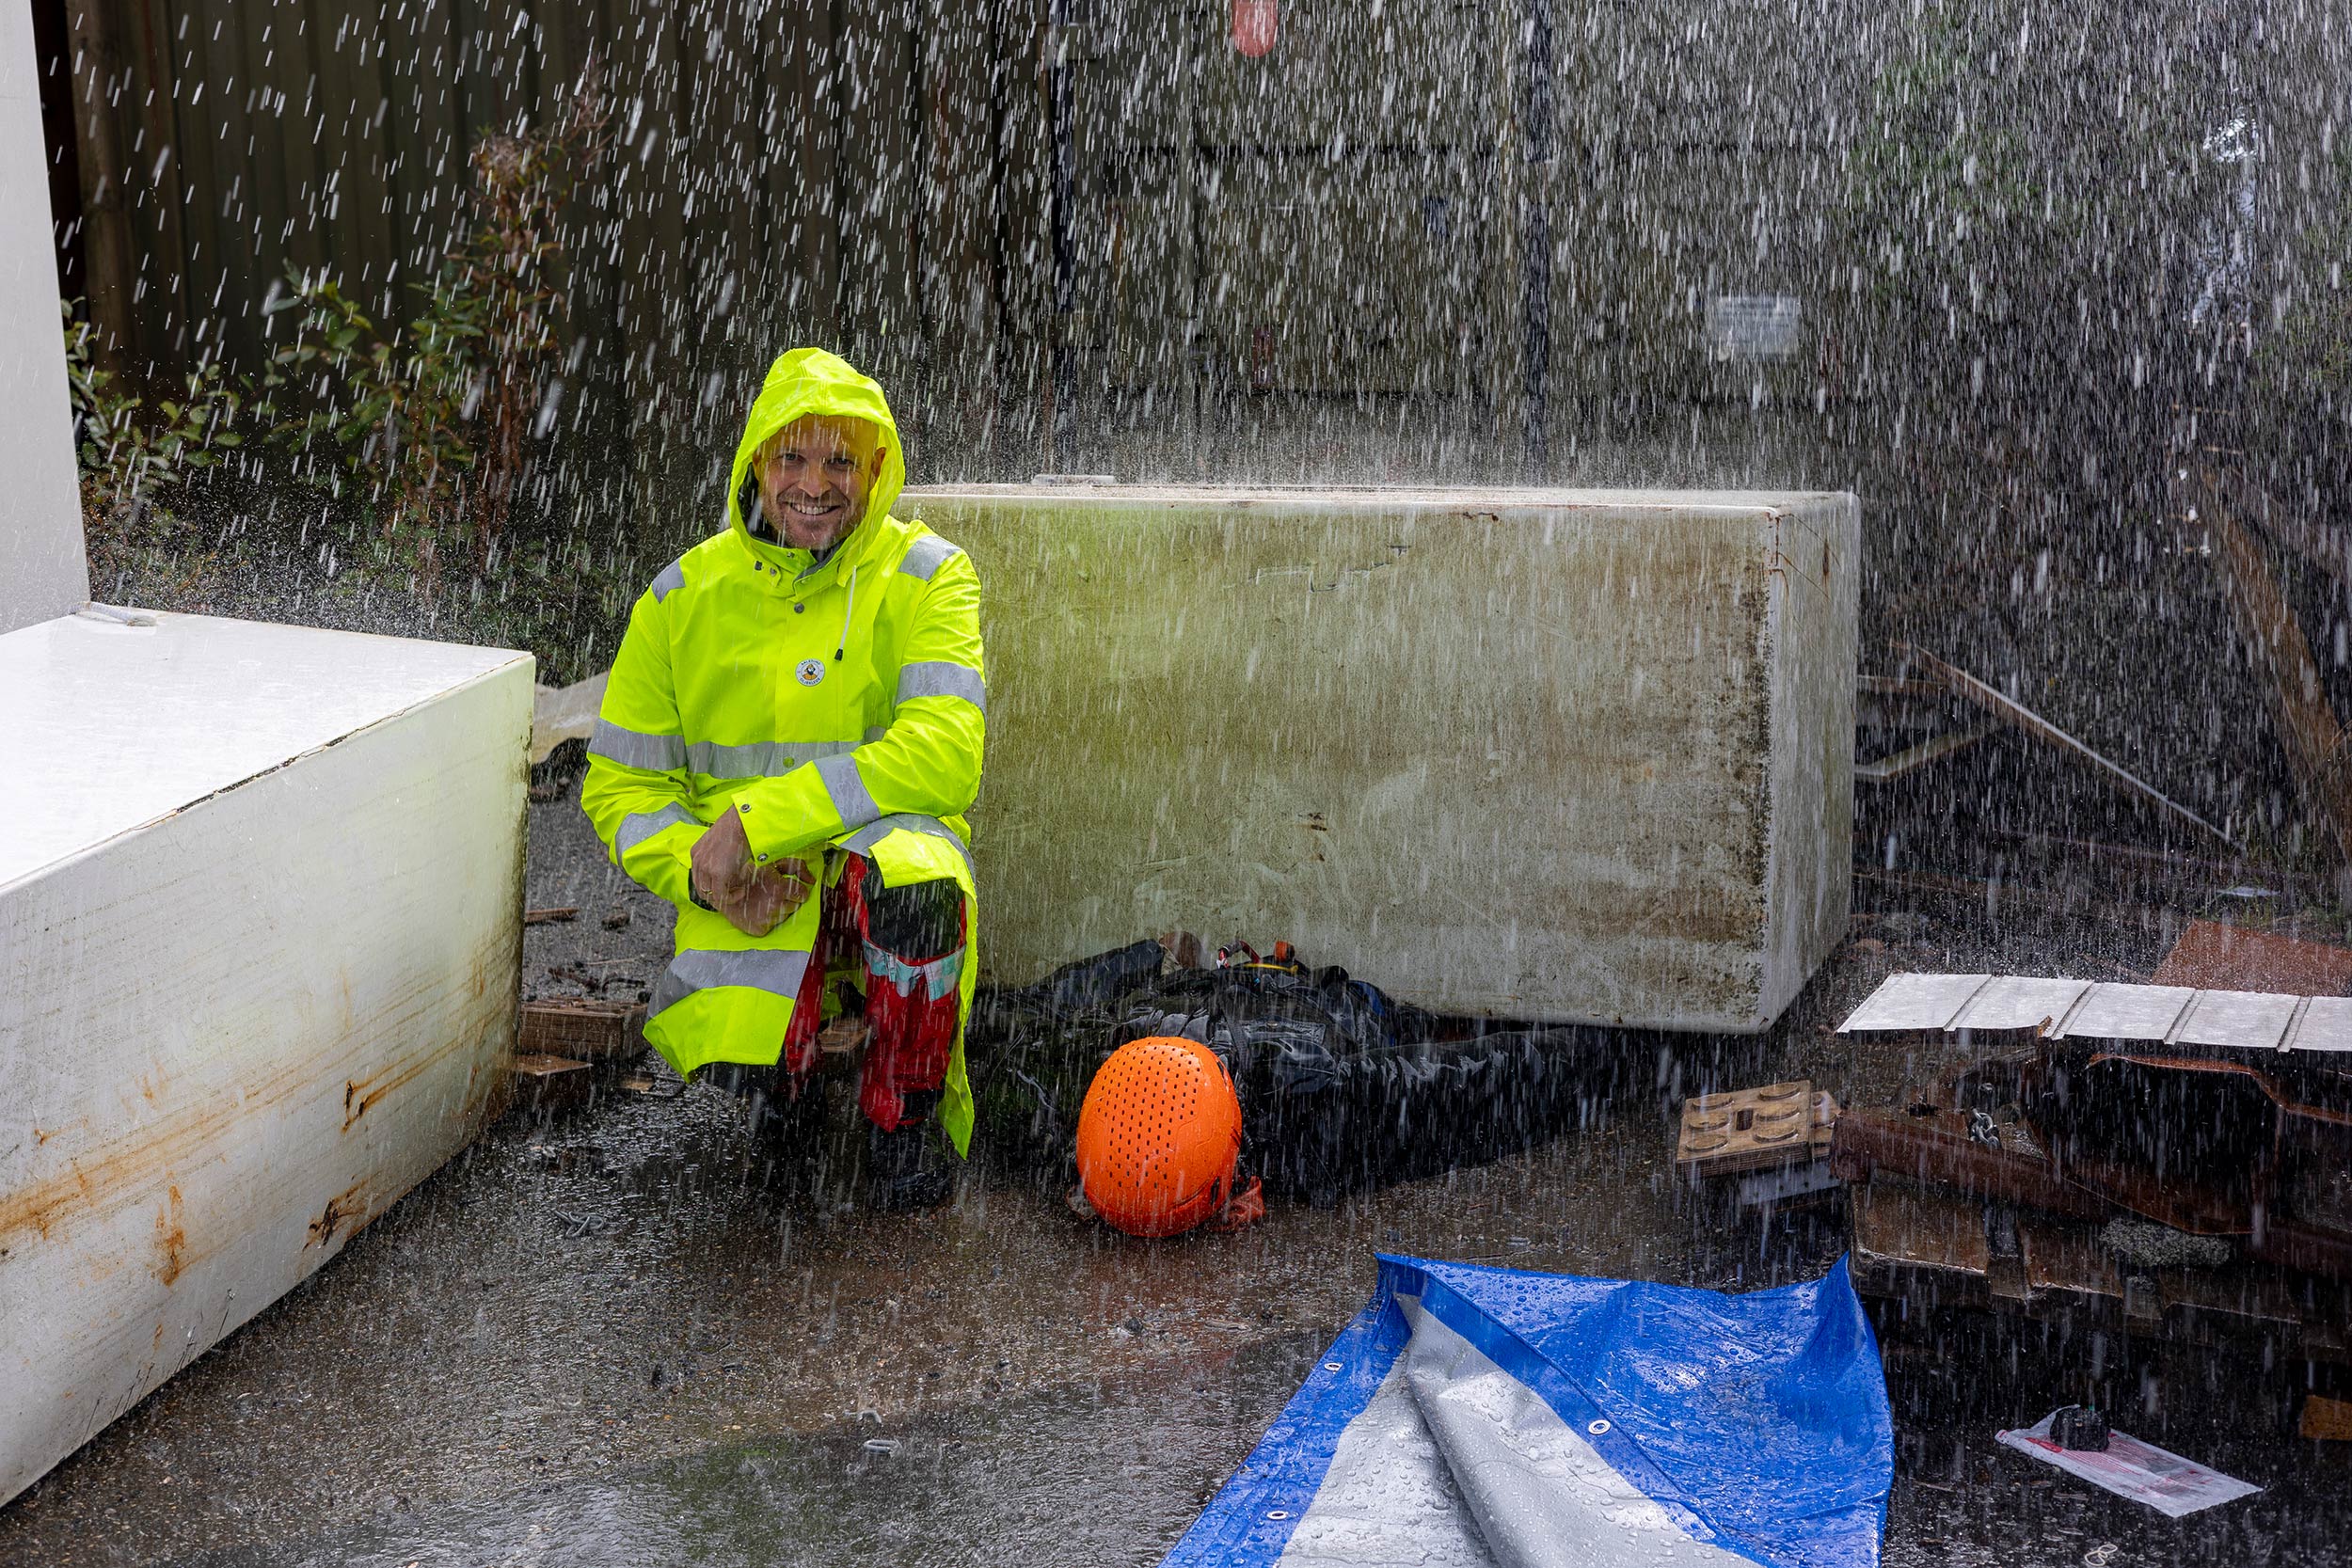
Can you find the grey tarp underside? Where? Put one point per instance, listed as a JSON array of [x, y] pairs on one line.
[[1454, 1464]]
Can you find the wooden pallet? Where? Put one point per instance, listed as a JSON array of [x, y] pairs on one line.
[[582, 1029]]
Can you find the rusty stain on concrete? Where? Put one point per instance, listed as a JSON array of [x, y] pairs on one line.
[[171, 1238], [347, 1211]]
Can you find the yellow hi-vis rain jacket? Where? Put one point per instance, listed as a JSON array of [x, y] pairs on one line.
[[836, 703]]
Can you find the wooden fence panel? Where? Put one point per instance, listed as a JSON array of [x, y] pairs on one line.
[[773, 179]]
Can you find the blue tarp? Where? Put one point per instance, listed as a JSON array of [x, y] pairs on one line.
[[1479, 1415]]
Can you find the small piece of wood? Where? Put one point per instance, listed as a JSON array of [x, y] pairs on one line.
[[545, 1082], [1745, 1130], [552, 916], [1914, 1227], [2326, 1420], [586, 1030], [841, 1037]]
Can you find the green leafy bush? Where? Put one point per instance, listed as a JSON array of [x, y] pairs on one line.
[[132, 453], [427, 425]]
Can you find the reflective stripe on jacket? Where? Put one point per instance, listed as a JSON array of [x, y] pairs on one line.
[[839, 702]]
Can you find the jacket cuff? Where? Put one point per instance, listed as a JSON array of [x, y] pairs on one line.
[[651, 853], [783, 816]]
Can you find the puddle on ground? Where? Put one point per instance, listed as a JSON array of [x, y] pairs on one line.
[[1091, 1475]]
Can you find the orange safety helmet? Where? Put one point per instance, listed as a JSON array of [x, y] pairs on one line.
[[1159, 1136]]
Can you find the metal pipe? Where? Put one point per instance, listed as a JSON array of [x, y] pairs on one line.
[[1060, 116], [1538, 241], [106, 269]]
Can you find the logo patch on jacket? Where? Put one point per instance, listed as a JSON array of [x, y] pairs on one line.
[[811, 671]]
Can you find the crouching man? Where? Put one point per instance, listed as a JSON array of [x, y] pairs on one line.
[[789, 738]]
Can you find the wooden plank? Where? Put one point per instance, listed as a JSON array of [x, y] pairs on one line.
[[650, 195], [152, 175], [1922, 1003], [2020, 716], [956, 242], [325, 31], [2326, 546], [1898, 686], [878, 181], [1911, 759], [715, 283], [2263, 1294], [2317, 749], [1024, 153], [107, 228], [778, 175], [283, 47], [2325, 1419], [496, 60], [2327, 1025], [2021, 1005], [218, 130], [2066, 1259], [2213, 956], [2116, 1011], [1914, 1228], [546, 1083], [2244, 1021], [816, 94], [440, 211]]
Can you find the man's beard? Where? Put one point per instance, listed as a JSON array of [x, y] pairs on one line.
[[771, 523]]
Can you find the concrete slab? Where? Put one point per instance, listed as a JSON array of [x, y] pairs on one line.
[[258, 900], [1565, 755]]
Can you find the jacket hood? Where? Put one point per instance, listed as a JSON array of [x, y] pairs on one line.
[[810, 381]]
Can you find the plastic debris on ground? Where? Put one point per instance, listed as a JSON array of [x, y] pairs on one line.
[[2128, 1468], [1490, 1416]]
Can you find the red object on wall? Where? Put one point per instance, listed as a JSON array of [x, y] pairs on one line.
[[1256, 22]]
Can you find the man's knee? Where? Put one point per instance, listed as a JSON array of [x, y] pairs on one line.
[[922, 920]]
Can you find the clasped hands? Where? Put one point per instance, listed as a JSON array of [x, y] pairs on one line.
[[754, 898]]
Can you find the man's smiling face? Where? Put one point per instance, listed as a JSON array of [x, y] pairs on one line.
[[813, 478]]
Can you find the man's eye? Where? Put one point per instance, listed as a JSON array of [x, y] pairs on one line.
[[839, 463]]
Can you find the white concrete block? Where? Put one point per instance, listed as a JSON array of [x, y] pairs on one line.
[[1565, 755], [259, 927], [44, 571]]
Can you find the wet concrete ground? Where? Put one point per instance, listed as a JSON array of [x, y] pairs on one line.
[[624, 1336]]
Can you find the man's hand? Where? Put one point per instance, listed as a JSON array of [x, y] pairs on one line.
[[754, 898]]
